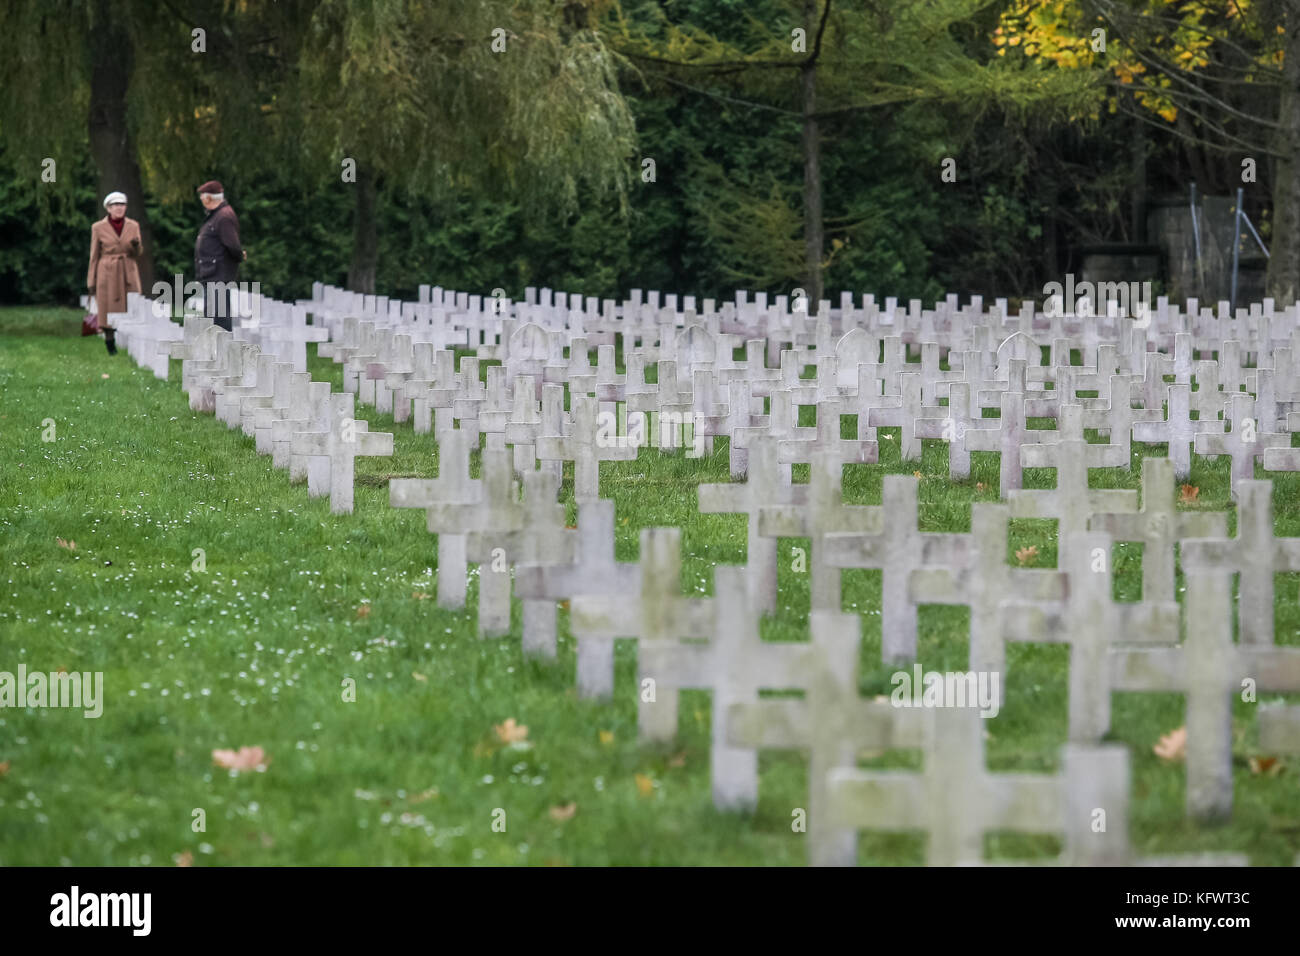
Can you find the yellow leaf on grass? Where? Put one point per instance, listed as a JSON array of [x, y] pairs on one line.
[[562, 813], [4, 768], [1026, 555], [70, 545], [363, 611], [1187, 494], [607, 736], [511, 732], [245, 758], [644, 785], [184, 859], [1265, 765], [420, 677], [1172, 746]]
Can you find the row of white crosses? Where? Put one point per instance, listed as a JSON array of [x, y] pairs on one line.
[[868, 374], [305, 428], [1113, 646], [477, 519], [787, 322]]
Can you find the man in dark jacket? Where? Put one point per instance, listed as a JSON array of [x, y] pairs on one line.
[[217, 254]]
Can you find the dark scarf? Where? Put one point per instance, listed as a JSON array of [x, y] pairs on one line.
[[117, 224]]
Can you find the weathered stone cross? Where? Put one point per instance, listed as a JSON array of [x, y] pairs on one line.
[[762, 488], [1159, 526], [593, 573], [346, 440], [452, 486], [1090, 621], [897, 549]]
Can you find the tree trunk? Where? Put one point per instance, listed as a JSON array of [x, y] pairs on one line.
[[1138, 210], [813, 234], [365, 234], [111, 145], [1283, 279]]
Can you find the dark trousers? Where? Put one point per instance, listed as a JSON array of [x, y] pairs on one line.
[[219, 304]]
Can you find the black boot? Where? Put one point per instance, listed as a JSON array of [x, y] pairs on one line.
[[110, 342]]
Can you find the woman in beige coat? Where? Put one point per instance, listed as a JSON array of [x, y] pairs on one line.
[[114, 249]]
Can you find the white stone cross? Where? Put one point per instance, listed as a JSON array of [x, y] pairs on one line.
[[1006, 435], [592, 573], [513, 534], [1244, 443], [897, 549], [763, 487], [825, 438], [452, 486], [1090, 621], [1159, 526], [658, 613], [831, 722], [1071, 502], [346, 440], [732, 664], [583, 449], [954, 799], [983, 582], [1178, 430], [821, 513], [1210, 670], [1255, 554], [901, 412]]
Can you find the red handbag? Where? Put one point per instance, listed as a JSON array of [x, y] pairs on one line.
[[90, 324]]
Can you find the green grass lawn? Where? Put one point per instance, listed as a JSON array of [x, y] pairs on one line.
[[254, 649]]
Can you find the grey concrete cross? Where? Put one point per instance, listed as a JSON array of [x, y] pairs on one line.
[[1178, 430], [1159, 526], [822, 512], [658, 613], [832, 723], [763, 487], [897, 549], [1210, 670], [513, 535], [1090, 621], [1255, 554], [346, 440], [593, 573], [583, 449], [954, 799], [452, 486], [733, 665], [983, 582], [1071, 502], [1244, 443]]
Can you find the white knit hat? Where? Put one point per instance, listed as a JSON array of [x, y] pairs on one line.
[[114, 197]]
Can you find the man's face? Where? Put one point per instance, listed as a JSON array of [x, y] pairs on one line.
[[209, 201]]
